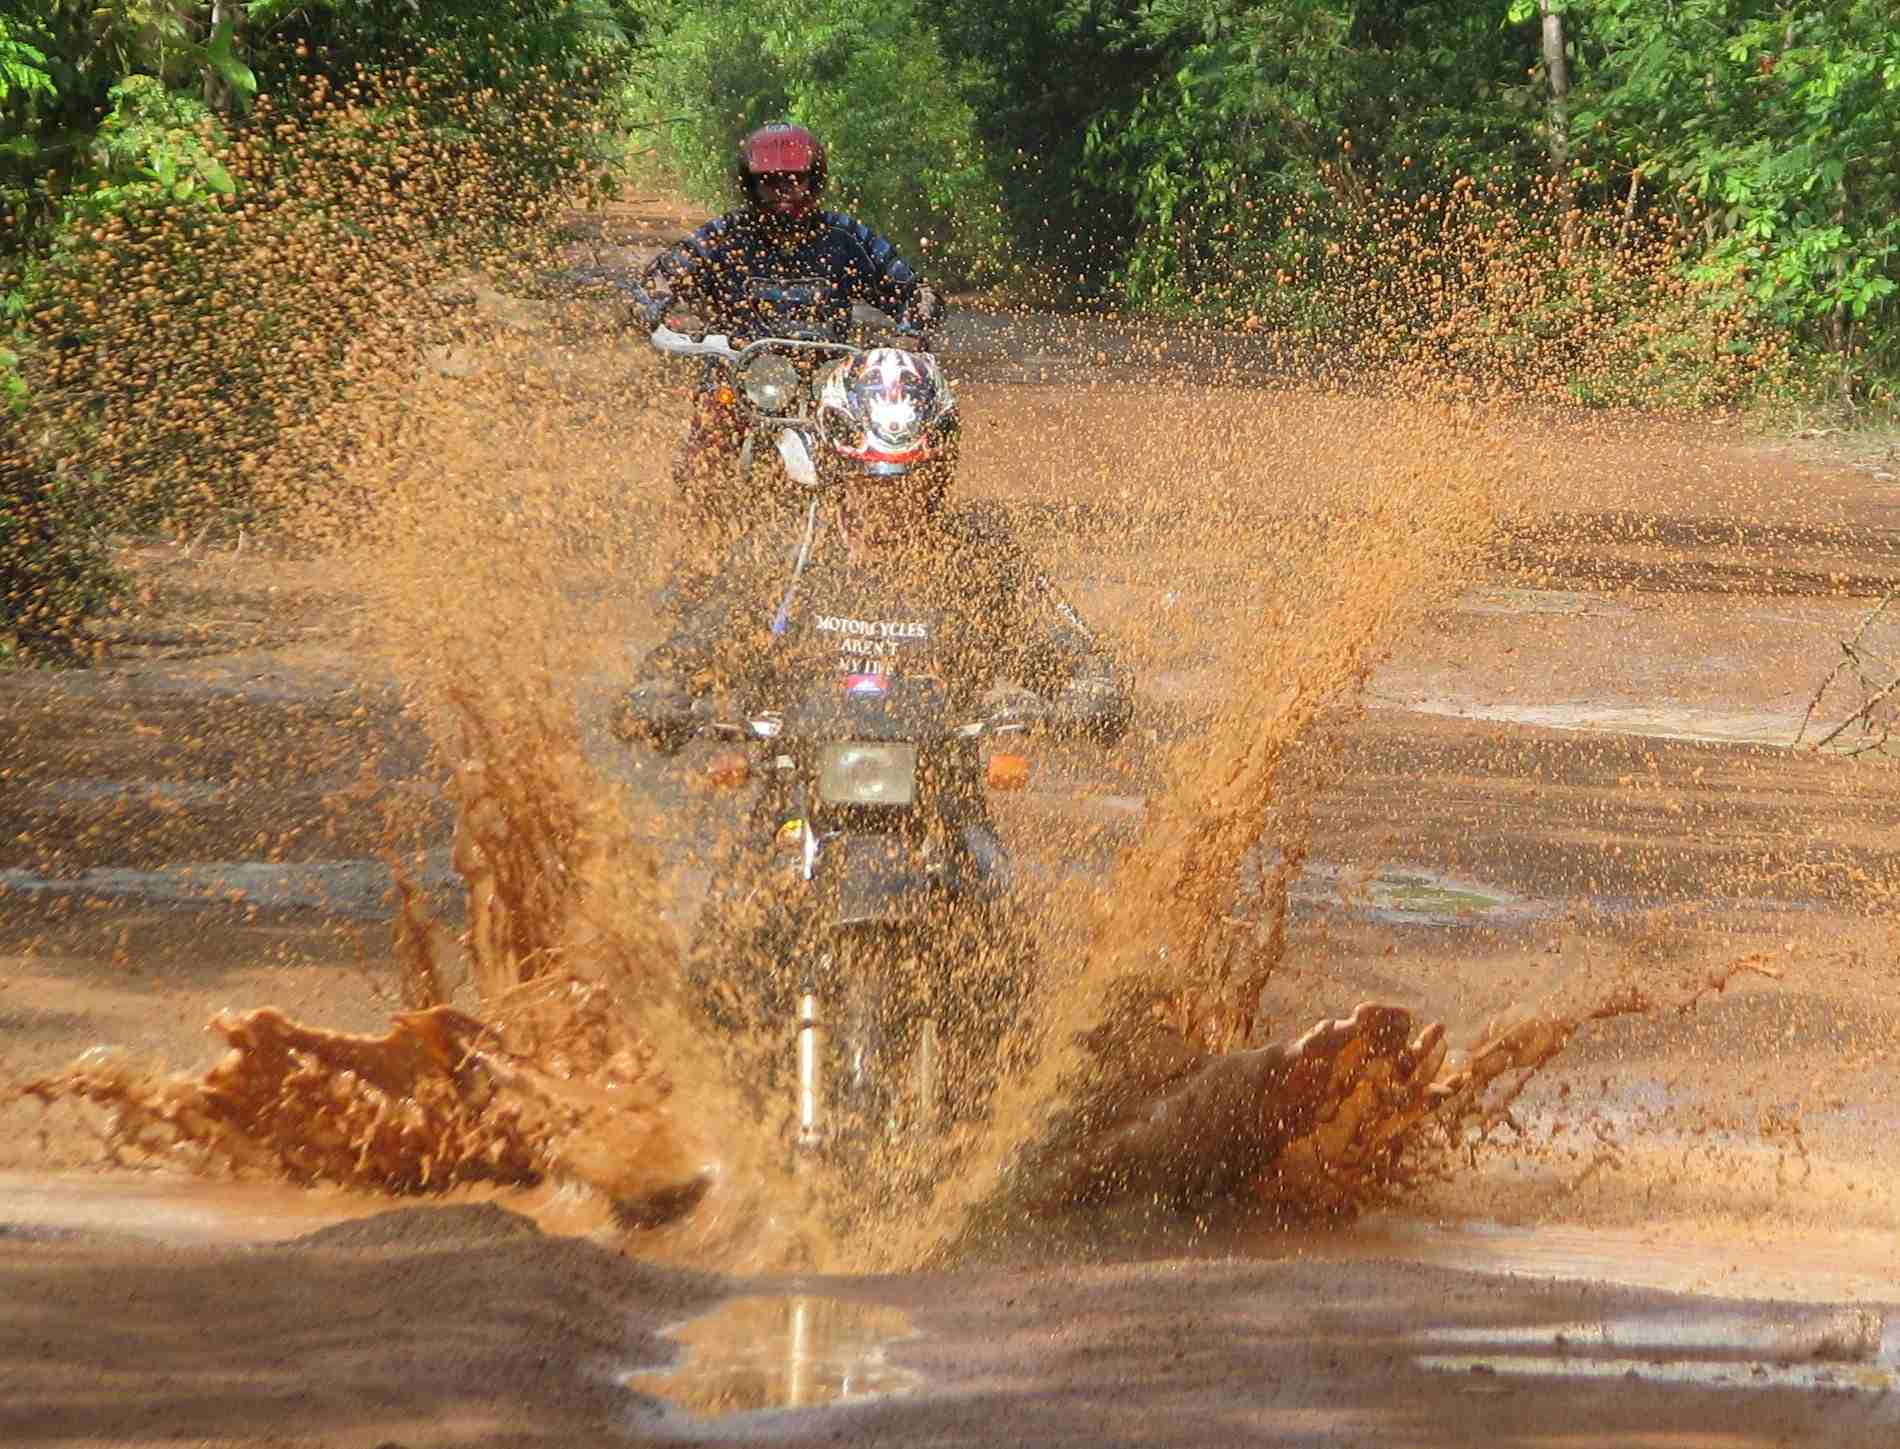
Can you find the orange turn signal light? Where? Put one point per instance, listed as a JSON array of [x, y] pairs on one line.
[[728, 769], [1007, 772]]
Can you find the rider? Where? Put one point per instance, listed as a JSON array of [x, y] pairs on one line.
[[776, 266]]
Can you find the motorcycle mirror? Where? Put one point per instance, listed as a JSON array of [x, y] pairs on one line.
[[1007, 772]]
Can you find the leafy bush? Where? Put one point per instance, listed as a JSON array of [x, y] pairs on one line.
[[240, 281], [1228, 148], [1777, 128], [219, 230], [1500, 288]]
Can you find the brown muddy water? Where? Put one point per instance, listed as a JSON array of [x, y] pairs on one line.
[[1425, 719], [1736, 1261], [796, 1351]]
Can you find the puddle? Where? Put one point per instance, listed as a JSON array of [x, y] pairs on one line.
[[1410, 896], [1661, 722], [346, 887], [1493, 600], [360, 888], [159, 794], [780, 1352], [1821, 1266], [1844, 1350], [171, 1209]]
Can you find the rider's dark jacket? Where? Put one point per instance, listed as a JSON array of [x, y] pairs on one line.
[[967, 607], [747, 274]]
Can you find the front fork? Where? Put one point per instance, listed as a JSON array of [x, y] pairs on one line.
[[925, 1083], [811, 1055]]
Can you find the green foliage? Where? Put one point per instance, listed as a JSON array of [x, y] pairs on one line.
[[1212, 154], [217, 212], [1197, 130], [153, 144], [1781, 127], [1158, 148], [24, 80], [26, 91], [867, 76]]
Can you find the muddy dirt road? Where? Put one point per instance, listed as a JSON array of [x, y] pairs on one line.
[[1578, 768]]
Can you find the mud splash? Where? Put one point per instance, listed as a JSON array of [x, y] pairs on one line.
[[573, 1057], [502, 554]]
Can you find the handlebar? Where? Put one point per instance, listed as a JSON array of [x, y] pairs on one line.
[[769, 724], [719, 344]]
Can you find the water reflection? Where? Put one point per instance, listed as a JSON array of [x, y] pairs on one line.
[[772, 1352], [1771, 1347]]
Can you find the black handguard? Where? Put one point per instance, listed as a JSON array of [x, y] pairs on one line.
[[656, 713]]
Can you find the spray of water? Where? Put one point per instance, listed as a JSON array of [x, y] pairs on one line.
[[505, 519]]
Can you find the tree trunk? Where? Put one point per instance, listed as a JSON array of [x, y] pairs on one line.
[[1840, 325], [1557, 70], [218, 93]]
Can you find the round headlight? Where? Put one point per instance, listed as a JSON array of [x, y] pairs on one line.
[[770, 382]]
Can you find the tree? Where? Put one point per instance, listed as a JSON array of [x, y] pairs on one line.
[[1557, 76], [1778, 127], [210, 205], [866, 75]]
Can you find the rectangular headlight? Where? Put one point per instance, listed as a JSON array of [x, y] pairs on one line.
[[865, 774]]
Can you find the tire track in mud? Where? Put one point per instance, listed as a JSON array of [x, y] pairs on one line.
[[1658, 552]]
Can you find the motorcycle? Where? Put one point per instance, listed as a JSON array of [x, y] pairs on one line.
[[878, 964], [878, 961], [821, 406], [829, 406]]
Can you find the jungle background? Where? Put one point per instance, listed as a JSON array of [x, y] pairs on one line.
[[215, 216]]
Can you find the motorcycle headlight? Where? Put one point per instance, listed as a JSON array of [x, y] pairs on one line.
[[860, 774], [771, 383]]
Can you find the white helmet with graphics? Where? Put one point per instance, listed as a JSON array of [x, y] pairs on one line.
[[887, 411]]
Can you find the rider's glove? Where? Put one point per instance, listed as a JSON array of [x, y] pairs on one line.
[[657, 713], [1095, 706], [925, 308]]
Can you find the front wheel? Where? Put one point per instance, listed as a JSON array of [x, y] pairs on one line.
[[868, 1045]]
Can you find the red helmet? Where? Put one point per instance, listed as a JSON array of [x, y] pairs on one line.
[[778, 149]]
